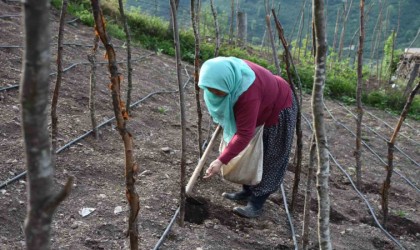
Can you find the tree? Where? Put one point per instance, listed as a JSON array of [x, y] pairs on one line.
[[182, 108], [129, 68], [195, 24], [319, 125], [390, 167], [358, 151], [43, 198], [121, 115], [54, 119], [216, 26]]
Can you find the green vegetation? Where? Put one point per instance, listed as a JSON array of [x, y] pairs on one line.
[[152, 33]]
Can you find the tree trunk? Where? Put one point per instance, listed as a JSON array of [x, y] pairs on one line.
[[299, 143], [42, 196], [92, 86], [121, 115], [232, 17], [343, 29], [170, 27], [358, 151], [319, 125], [390, 167], [54, 118], [270, 34], [413, 75], [336, 30], [129, 68], [216, 26], [195, 22], [307, 202], [242, 29], [182, 108], [301, 25], [374, 38]]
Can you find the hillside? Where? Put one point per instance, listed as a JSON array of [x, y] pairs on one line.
[[289, 11], [97, 165]]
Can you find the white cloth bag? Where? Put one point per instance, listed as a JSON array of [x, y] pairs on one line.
[[247, 167]]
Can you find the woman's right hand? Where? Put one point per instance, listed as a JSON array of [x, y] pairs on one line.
[[213, 169]]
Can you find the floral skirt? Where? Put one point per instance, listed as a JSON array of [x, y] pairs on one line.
[[277, 141]]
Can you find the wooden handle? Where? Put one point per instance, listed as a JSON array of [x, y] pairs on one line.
[[202, 161]]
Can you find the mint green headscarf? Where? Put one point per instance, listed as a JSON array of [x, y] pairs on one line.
[[232, 76]]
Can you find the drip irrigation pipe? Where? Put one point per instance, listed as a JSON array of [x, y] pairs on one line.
[[76, 64], [372, 151], [168, 228], [383, 138], [289, 217], [11, 15], [371, 210], [21, 175], [389, 126]]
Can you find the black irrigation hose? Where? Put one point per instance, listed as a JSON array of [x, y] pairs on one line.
[[168, 228], [11, 15], [371, 211], [383, 138], [373, 152], [74, 65], [289, 217], [21, 175], [389, 126]]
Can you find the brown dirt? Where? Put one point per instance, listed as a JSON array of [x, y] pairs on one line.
[[98, 165]]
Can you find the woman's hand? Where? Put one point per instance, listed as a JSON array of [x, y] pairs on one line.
[[214, 168]]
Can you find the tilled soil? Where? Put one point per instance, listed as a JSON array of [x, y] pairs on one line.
[[98, 164]]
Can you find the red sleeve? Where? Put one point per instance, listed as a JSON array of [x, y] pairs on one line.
[[246, 113]]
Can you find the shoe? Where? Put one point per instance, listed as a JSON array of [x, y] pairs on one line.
[[254, 207], [248, 211], [237, 196]]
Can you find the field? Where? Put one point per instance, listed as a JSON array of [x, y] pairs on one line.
[[98, 164]]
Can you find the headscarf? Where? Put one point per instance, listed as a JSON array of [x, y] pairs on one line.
[[232, 76]]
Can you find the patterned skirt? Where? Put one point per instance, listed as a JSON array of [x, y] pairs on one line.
[[277, 141]]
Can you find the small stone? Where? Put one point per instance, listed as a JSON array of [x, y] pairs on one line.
[[2, 191], [74, 225], [15, 108], [118, 209], [216, 227], [103, 196], [166, 149], [189, 162]]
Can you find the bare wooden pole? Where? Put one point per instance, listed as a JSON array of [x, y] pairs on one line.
[[387, 183], [358, 151], [128, 44], [182, 109], [323, 172], [121, 115], [54, 118], [43, 199]]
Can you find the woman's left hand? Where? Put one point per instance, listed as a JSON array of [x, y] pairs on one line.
[[214, 168]]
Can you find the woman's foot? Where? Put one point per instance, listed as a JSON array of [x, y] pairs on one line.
[[254, 207], [249, 211], [237, 196]]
